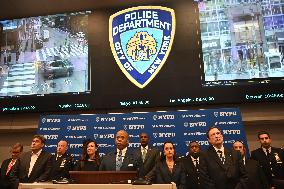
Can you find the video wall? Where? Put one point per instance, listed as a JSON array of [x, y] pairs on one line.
[[44, 56], [39, 54], [241, 41], [141, 54]]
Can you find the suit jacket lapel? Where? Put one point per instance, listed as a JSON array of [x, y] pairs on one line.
[[174, 169], [228, 158], [215, 156], [167, 171], [113, 161], [27, 162], [191, 166], [149, 151], [139, 153], [263, 155], [126, 159], [5, 167]]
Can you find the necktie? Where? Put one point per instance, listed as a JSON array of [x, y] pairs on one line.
[[119, 161], [267, 153], [144, 154], [195, 161], [12, 162], [222, 158]]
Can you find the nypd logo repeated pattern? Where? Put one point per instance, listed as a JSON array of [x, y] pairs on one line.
[[141, 39], [179, 127]]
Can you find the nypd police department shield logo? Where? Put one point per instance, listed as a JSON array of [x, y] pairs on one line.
[[141, 39]]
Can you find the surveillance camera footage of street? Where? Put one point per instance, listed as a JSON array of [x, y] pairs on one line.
[[44, 55], [242, 41]]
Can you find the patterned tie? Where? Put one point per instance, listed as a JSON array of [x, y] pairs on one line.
[[119, 161], [195, 162], [144, 154], [12, 162], [222, 158]]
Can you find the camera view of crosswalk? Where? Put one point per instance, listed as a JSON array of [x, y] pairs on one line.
[[21, 77], [65, 52], [44, 55]]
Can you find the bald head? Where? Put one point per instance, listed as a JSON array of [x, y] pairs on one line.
[[62, 147]]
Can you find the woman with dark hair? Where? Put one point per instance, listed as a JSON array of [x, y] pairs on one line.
[[169, 169], [90, 160]]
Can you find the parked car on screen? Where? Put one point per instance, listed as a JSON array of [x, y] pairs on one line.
[[57, 68]]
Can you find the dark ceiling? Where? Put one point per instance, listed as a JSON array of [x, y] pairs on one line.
[[18, 8]]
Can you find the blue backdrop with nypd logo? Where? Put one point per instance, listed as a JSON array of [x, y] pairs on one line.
[[180, 127]]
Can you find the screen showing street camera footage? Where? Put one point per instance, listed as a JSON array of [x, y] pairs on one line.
[[44, 55], [242, 40]]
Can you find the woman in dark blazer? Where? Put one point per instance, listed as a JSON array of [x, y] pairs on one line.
[[90, 160], [169, 169]]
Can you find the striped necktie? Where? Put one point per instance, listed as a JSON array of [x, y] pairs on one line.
[[222, 158], [12, 162], [119, 161]]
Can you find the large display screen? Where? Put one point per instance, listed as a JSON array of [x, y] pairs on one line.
[[142, 54], [222, 52], [44, 56], [242, 41]]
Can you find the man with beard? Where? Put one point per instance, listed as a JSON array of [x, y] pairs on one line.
[[271, 160], [191, 165]]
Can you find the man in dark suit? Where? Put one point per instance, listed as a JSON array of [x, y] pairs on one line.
[[256, 176], [222, 168], [191, 166], [8, 164], [62, 163], [271, 160], [147, 154], [33, 166], [122, 159]]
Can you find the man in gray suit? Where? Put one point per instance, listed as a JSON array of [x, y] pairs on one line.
[[147, 154], [122, 159], [32, 166]]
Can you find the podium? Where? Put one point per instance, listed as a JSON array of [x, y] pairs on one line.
[[92, 186], [102, 177]]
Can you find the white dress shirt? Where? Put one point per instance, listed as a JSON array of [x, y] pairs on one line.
[[33, 160]]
